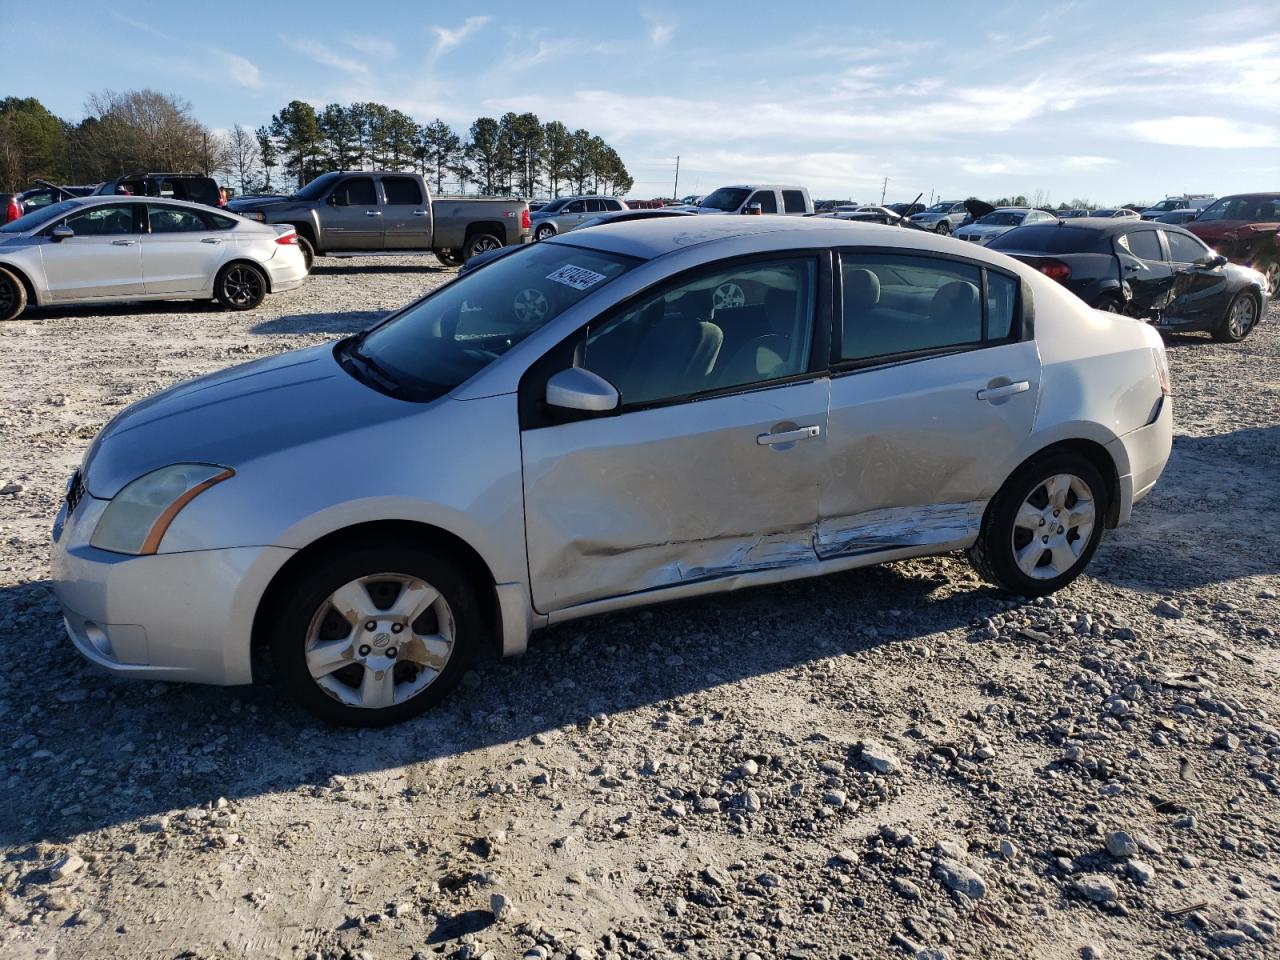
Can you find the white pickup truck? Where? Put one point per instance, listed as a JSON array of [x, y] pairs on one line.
[[771, 198], [360, 212]]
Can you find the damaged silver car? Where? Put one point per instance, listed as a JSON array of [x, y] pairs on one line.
[[662, 409]]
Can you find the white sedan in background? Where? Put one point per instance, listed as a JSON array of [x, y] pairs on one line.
[[102, 249]]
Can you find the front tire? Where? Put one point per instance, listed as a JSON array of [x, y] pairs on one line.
[[13, 296], [308, 251], [1040, 531], [448, 258], [1271, 270], [1240, 319], [375, 634], [944, 227], [240, 286]]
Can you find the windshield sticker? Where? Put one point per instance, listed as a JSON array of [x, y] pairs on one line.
[[580, 278]]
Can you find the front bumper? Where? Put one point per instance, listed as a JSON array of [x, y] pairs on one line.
[[170, 616]]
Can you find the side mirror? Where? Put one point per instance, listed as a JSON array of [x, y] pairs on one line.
[[339, 198], [61, 232], [1214, 260], [753, 210], [582, 390]]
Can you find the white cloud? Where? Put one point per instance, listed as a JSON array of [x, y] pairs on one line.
[[374, 47], [322, 54], [447, 38], [1086, 162], [660, 33], [241, 71], [1214, 132]]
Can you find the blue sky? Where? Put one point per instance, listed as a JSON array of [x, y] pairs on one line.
[[1077, 98]]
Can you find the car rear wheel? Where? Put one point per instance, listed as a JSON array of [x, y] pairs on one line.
[[544, 232], [1044, 525], [13, 296], [1240, 319], [481, 243], [375, 634], [944, 227], [240, 286], [448, 258]]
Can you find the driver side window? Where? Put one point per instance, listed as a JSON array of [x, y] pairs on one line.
[[727, 327], [102, 221]]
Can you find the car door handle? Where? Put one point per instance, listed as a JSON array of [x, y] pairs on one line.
[[373, 213], [788, 436], [419, 213], [123, 243], [1006, 390], [211, 240]]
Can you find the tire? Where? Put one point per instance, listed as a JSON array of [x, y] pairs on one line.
[[13, 295], [448, 258], [1270, 268], [1003, 540], [240, 286], [1240, 318], [481, 242], [544, 232], [308, 620], [308, 251], [1110, 303], [944, 227]]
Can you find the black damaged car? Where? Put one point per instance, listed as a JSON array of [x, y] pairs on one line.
[[1155, 271]]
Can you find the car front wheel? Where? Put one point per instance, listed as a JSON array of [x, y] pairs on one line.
[[1044, 525], [375, 635], [13, 296], [1271, 270], [1240, 319], [448, 258], [944, 227]]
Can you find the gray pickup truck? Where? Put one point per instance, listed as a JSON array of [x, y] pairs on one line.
[[354, 213]]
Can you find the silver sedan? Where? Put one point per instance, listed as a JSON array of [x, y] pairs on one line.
[[695, 405], [104, 249]]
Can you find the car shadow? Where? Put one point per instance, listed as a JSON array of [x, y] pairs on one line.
[[1210, 519], [349, 321], [123, 308], [98, 750], [325, 267]]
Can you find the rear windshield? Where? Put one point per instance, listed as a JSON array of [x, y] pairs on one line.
[[37, 217], [1048, 238], [726, 198], [447, 337]]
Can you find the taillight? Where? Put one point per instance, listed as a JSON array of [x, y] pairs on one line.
[[288, 239], [1055, 270], [14, 210], [1162, 370], [524, 219]]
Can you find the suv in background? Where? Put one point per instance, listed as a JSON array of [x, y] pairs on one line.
[[943, 217], [770, 197], [565, 213], [1245, 228], [195, 187]]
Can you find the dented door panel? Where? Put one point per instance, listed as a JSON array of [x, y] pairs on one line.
[[671, 495], [914, 454]]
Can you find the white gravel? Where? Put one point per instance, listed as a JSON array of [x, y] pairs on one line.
[[894, 762]]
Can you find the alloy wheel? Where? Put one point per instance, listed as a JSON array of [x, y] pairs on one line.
[[1053, 526], [380, 640], [484, 244], [544, 233], [728, 296], [243, 286], [8, 296], [530, 305], [1272, 273], [1244, 314]]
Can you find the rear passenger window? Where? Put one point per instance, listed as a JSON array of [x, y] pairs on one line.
[[768, 202], [614, 205], [1143, 244], [402, 190], [793, 201], [902, 304], [596, 206]]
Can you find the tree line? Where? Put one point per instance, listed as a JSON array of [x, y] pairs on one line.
[[148, 130]]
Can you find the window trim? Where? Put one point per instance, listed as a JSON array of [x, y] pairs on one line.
[[534, 413], [1021, 329]]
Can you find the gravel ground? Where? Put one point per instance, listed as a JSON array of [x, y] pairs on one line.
[[894, 762]]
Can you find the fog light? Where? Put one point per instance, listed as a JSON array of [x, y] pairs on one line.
[[98, 638]]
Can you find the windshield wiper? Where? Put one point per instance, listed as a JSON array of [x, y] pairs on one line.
[[372, 367]]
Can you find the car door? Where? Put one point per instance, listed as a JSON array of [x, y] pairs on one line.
[[406, 217], [353, 218], [182, 249], [102, 259], [712, 465], [933, 394], [571, 215], [1144, 268], [1200, 290], [767, 199]]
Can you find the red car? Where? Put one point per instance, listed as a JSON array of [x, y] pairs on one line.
[[1245, 229]]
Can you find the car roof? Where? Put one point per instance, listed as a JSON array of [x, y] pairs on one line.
[[1103, 225], [99, 199], [654, 237], [1252, 196]]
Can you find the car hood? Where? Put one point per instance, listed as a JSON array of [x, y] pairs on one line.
[[256, 203], [236, 415], [978, 208]]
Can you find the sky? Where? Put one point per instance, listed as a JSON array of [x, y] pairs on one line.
[[1056, 100]]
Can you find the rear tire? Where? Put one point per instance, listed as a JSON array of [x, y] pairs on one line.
[[1240, 319], [481, 242], [448, 258], [544, 232], [1021, 550], [240, 286], [309, 637], [13, 296]]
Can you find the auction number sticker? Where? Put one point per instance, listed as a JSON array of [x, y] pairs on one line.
[[580, 278]]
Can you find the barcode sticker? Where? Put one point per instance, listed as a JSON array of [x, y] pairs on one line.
[[580, 278]]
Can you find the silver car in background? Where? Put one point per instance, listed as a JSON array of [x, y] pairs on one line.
[[699, 404], [102, 249], [1000, 221], [568, 213]]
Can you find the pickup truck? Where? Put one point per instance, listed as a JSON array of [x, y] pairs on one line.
[[358, 212], [758, 198]]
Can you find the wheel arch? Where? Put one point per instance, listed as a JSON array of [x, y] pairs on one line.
[[486, 226], [247, 261], [33, 298], [380, 531], [1097, 455]]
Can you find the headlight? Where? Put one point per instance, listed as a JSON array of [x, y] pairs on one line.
[[137, 517]]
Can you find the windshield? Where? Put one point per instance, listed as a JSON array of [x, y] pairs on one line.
[[317, 187], [36, 217], [444, 339], [943, 207], [726, 198], [1243, 208], [1002, 218], [1049, 238]]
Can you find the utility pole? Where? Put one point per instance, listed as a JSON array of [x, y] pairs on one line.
[[675, 188]]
